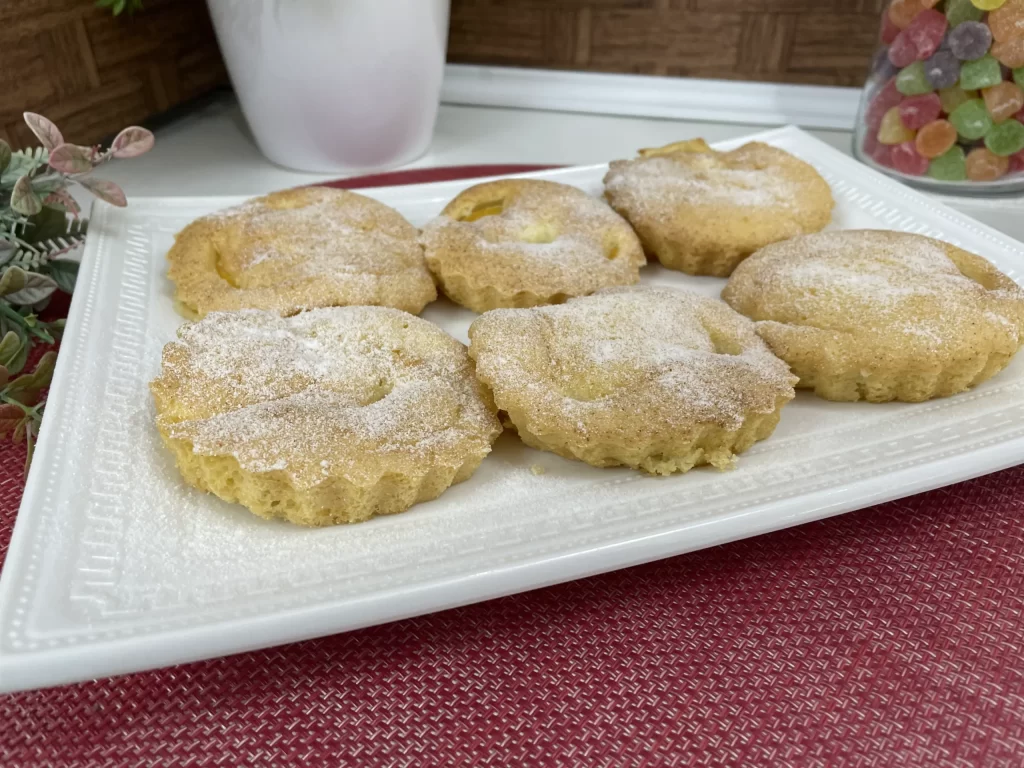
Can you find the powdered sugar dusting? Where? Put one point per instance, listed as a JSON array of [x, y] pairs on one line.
[[331, 233], [656, 354], [703, 181], [543, 228], [856, 281], [330, 391], [566, 251]]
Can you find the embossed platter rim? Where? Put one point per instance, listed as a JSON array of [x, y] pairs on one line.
[[90, 590]]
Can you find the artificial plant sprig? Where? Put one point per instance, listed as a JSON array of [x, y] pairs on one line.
[[21, 403], [40, 226]]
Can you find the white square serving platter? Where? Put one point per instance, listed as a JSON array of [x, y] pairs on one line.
[[116, 566]]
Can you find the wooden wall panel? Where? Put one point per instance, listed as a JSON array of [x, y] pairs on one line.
[[664, 42], [796, 41], [93, 73]]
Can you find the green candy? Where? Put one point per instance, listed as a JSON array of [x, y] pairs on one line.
[[912, 81], [1005, 139], [982, 73], [1018, 76], [971, 119], [951, 98], [951, 166], [959, 11]]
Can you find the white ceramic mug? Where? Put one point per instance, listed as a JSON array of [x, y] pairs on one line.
[[336, 85]]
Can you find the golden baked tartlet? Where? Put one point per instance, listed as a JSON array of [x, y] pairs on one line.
[[300, 249], [878, 316], [655, 379], [526, 242], [331, 416], [702, 212]]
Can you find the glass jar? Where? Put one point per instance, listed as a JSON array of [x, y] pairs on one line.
[[943, 106]]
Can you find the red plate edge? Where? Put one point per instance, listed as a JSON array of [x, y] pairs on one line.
[[429, 175]]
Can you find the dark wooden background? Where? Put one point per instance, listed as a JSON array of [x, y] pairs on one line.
[[93, 74], [826, 42]]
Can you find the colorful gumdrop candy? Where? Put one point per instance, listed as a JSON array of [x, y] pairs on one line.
[[1005, 139], [882, 68], [912, 80], [951, 98], [1007, 23], [946, 92], [902, 51], [902, 12], [935, 138], [983, 73], [949, 166], [982, 165], [920, 39], [892, 130], [889, 29], [970, 41], [942, 69], [959, 11], [1010, 52], [1003, 100], [906, 159], [880, 153], [926, 32], [971, 119], [886, 98], [917, 111]]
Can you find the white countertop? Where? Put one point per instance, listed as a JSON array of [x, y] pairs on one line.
[[211, 152]]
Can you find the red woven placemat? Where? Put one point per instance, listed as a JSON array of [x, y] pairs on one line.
[[893, 636]]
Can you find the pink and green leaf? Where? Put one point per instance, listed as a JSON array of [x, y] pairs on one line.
[[106, 191], [132, 142], [47, 133], [24, 199], [10, 416], [60, 198], [70, 159]]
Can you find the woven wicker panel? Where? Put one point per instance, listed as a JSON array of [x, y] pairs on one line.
[[798, 41], [93, 74]]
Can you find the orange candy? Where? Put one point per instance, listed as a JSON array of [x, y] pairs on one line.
[[1003, 101], [1009, 52], [935, 139], [1007, 23], [902, 12], [982, 165]]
